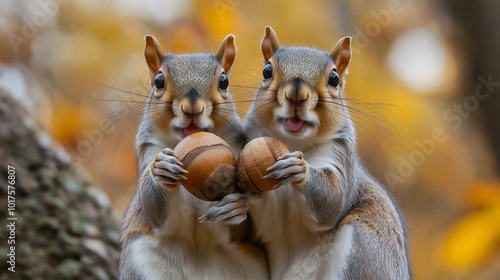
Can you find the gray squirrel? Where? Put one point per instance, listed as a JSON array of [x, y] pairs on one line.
[[161, 236], [329, 219]]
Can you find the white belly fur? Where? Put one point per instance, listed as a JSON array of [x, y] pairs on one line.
[[296, 247], [187, 249]]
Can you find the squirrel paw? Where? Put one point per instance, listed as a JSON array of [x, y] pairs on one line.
[[232, 209], [290, 168], [167, 169]]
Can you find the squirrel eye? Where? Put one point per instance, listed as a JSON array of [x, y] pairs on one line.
[[334, 79], [159, 81], [268, 71], [223, 82]]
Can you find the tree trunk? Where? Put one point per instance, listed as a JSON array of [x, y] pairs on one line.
[[65, 228], [478, 23]]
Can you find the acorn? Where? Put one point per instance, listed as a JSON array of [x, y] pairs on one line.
[[210, 163], [253, 161]]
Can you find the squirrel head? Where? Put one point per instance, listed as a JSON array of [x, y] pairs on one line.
[[301, 94], [190, 91]]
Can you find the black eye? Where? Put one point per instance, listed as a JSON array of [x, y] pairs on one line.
[[159, 81], [334, 79], [223, 82], [268, 71]]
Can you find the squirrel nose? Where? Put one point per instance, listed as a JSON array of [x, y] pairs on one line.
[[297, 93], [192, 105], [192, 110]]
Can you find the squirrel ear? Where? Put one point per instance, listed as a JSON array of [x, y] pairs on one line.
[[226, 53], [269, 43], [341, 54], [153, 54]]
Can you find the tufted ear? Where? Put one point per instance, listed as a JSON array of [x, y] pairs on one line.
[[227, 53], [341, 54], [269, 43], [154, 55]]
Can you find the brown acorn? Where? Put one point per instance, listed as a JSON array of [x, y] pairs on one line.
[[255, 158], [210, 163]]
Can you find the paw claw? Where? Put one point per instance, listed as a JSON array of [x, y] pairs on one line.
[[170, 152], [203, 219]]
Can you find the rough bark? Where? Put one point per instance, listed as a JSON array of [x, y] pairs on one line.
[[65, 228]]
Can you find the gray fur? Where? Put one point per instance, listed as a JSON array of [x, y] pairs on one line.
[[298, 223], [307, 64], [161, 235], [197, 71]]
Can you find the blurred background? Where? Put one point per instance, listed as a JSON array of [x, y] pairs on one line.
[[423, 87]]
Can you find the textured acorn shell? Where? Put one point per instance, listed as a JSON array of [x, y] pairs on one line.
[[257, 156], [210, 163]]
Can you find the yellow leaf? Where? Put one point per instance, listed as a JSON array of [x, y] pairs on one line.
[[219, 17], [472, 239]]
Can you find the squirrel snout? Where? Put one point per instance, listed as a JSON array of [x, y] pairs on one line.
[[294, 100], [192, 104], [192, 109], [297, 92]]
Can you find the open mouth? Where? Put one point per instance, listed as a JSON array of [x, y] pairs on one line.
[[295, 124], [191, 129]]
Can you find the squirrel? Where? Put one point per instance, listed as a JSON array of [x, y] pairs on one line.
[[329, 219], [161, 236]]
